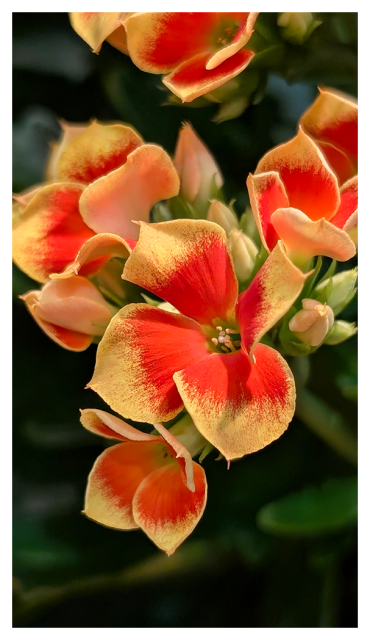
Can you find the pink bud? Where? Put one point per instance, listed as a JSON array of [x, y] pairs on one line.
[[313, 322]]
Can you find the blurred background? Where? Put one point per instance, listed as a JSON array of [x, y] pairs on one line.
[[277, 544]]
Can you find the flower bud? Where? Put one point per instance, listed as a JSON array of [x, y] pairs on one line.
[[244, 253], [297, 26], [232, 109], [197, 170], [222, 215], [340, 332], [313, 322], [340, 288], [71, 311]]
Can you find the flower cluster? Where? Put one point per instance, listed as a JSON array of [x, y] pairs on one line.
[[193, 318]]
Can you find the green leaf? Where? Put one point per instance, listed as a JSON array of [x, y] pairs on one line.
[[313, 511]]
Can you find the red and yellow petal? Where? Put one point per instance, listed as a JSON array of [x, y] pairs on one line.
[[165, 509], [304, 238], [269, 296], [237, 406], [95, 253], [333, 118], [71, 340], [96, 151], [94, 28], [187, 263], [348, 203], [310, 184], [191, 79], [243, 34], [337, 160], [140, 351], [159, 42], [105, 424], [50, 231], [266, 194], [111, 203], [115, 477], [181, 453]]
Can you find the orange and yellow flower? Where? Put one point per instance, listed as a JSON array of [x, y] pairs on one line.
[[71, 312], [199, 51], [101, 177], [296, 197], [146, 482], [151, 362]]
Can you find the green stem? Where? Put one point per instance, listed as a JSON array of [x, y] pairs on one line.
[[327, 423]]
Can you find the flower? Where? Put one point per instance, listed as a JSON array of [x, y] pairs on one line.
[[202, 51], [332, 121], [71, 312], [312, 323], [147, 481], [197, 169], [151, 363], [295, 197], [101, 176]]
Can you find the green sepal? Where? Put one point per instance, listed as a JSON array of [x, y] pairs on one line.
[[151, 301], [330, 272], [207, 449], [180, 208], [310, 282], [161, 212]]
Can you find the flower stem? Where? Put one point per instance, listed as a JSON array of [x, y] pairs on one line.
[[327, 423]]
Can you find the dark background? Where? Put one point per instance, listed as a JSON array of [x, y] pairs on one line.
[[233, 571]]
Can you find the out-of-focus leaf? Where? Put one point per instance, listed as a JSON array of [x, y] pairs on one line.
[[347, 383], [312, 511]]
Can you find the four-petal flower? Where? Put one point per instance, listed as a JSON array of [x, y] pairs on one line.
[[151, 363]]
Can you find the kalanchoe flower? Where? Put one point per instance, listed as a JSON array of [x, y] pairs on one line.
[[102, 177], [146, 482], [197, 170], [202, 51], [312, 323], [71, 312], [332, 121], [295, 197], [151, 363]]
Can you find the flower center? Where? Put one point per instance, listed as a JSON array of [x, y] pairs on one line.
[[224, 338], [226, 32]]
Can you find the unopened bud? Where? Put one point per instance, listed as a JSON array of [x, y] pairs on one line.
[[341, 289], [74, 305], [313, 322], [197, 169], [222, 215], [244, 253], [297, 26], [232, 109], [340, 332]]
